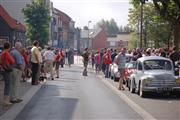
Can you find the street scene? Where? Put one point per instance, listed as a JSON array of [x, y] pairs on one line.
[[89, 60]]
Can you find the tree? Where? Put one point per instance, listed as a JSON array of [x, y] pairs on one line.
[[170, 11], [37, 20], [156, 30], [125, 29], [110, 26], [133, 40]]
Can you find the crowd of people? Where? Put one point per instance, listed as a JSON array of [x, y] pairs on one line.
[[104, 57], [18, 63]]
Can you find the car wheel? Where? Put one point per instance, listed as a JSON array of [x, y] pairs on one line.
[[177, 94], [131, 87], [140, 91]]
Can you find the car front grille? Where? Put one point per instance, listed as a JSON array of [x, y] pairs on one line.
[[163, 80]]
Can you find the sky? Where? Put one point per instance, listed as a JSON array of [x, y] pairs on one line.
[[82, 11]]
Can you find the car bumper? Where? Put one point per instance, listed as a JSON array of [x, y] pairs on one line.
[[161, 89]]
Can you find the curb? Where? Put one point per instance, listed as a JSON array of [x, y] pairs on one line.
[[17, 108]]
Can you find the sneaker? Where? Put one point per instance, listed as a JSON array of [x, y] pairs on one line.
[[52, 78], [17, 100], [7, 103], [57, 77]]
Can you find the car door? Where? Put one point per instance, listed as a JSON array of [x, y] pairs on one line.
[[139, 73]]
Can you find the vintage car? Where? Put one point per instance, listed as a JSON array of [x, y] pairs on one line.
[[154, 74], [129, 69], [113, 69]]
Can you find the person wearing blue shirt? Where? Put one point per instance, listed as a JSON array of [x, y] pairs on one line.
[[18, 67]]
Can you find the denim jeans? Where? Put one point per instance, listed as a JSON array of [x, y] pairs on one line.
[[107, 71]]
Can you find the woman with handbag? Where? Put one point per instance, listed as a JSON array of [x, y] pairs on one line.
[[6, 62]]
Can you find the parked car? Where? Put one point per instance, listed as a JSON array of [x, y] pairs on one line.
[[154, 74], [114, 74], [129, 69]]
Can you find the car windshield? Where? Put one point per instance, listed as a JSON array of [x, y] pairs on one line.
[[157, 65]]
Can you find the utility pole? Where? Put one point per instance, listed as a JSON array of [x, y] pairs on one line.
[[88, 34], [141, 34], [141, 28]]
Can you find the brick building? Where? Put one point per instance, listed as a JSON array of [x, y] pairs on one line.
[[93, 39]]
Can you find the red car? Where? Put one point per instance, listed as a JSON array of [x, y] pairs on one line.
[[129, 69]]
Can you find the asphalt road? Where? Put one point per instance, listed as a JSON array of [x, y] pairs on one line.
[[160, 106], [73, 96]]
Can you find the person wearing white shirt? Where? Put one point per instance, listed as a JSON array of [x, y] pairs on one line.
[[49, 57]]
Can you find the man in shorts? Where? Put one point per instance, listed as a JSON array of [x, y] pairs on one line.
[[121, 62]]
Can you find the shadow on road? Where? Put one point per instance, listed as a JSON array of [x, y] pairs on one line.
[[48, 104]]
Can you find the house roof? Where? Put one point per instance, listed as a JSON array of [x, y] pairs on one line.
[[92, 33], [14, 24], [63, 16], [119, 37]]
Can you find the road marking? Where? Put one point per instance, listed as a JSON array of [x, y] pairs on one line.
[[144, 114]]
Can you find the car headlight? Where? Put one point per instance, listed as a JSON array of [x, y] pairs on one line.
[[178, 80], [147, 80]]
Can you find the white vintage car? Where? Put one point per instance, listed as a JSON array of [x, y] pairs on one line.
[[154, 74]]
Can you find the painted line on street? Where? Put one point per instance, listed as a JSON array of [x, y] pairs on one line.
[[144, 114], [12, 113]]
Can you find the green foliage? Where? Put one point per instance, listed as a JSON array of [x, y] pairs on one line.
[[133, 40], [37, 21], [110, 26], [169, 10], [156, 30], [125, 29]]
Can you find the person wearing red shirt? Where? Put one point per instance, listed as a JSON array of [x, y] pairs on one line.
[[25, 56], [6, 62], [57, 60], [107, 62]]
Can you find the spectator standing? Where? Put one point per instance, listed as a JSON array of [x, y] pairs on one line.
[[70, 57], [121, 62], [18, 68], [57, 60], [62, 60], [107, 62], [6, 62], [49, 57], [85, 61], [162, 53], [97, 59], [174, 56], [113, 55], [92, 59], [35, 62], [26, 60]]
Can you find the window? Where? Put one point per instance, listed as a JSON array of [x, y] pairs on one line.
[[139, 66], [157, 65]]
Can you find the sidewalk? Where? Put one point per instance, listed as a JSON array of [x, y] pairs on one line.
[[25, 86]]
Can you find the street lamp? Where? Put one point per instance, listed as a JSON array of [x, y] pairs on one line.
[[88, 33]]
